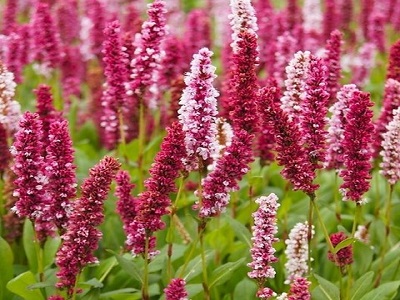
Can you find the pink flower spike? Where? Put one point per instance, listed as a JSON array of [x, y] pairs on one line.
[[60, 170], [297, 252], [198, 111], [82, 236], [10, 110], [390, 165], [391, 101], [176, 290], [93, 26], [357, 144], [264, 231], [10, 11], [148, 49], [299, 289], [68, 20], [229, 170], [337, 122], [394, 62]]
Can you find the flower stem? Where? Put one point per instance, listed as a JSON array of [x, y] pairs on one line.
[[338, 202], [201, 229], [145, 286], [310, 224]]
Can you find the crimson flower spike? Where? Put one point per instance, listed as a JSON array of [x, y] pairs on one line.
[[331, 18], [394, 62], [68, 20], [153, 203], [176, 290], [31, 183], [243, 81], [96, 19], [297, 167], [357, 145], [114, 93], [46, 40], [314, 110], [82, 235], [332, 62], [60, 171]]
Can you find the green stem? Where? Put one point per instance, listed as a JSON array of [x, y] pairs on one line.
[[39, 253], [387, 233], [338, 202], [189, 257], [310, 225], [142, 131], [145, 287], [122, 140], [201, 229], [75, 291]]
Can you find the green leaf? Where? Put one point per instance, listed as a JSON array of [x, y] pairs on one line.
[[29, 246], [50, 250], [386, 291], [20, 285], [245, 290], [241, 231], [121, 292], [343, 244], [362, 286], [194, 267], [224, 272], [105, 268], [326, 290], [130, 267], [6, 274], [194, 289]]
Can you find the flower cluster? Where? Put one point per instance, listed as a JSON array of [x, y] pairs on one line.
[[230, 168], [148, 53], [345, 255], [297, 251], [198, 110], [82, 236], [357, 144], [264, 231], [390, 154], [297, 166], [176, 290]]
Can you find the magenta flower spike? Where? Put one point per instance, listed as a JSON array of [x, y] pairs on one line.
[[82, 235], [243, 81], [45, 109], [198, 111], [286, 46], [297, 167], [345, 255], [10, 110], [148, 50], [363, 63], [391, 101], [4, 150], [12, 55], [31, 183], [68, 23], [10, 11], [297, 252], [126, 204], [153, 203], [46, 40], [332, 62], [377, 30], [313, 111], [60, 171], [95, 22], [312, 24], [331, 17], [357, 144], [176, 290], [114, 92], [294, 94], [367, 7], [197, 32], [346, 9], [224, 178], [299, 289], [337, 122], [262, 251], [390, 149], [72, 74]]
